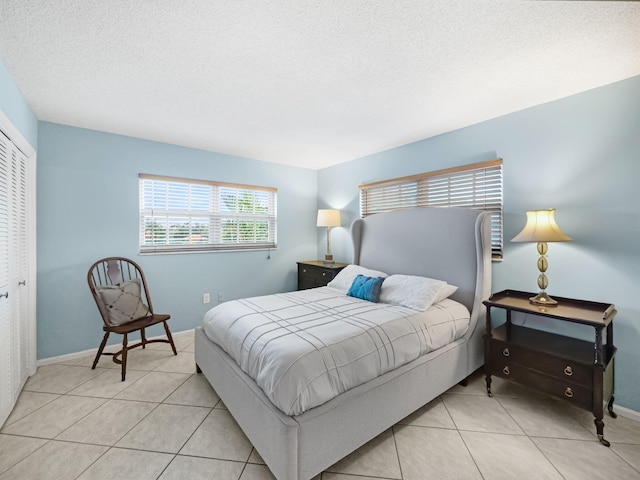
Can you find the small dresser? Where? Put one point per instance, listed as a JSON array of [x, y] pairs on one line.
[[578, 371], [316, 273]]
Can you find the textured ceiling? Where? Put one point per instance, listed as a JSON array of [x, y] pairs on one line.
[[309, 83]]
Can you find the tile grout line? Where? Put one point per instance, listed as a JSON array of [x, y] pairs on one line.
[[395, 444], [33, 411], [530, 439], [47, 440], [623, 459], [166, 466], [475, 462]]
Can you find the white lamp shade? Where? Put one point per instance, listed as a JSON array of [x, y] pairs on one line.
[[328, 218], [541, 227]]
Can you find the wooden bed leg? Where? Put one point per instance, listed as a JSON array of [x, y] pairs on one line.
[[464, 382], [198, 369]]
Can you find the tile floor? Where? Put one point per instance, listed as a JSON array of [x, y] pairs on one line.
[[165, 422]]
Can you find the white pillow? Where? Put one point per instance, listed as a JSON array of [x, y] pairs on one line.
[[446, 292], [343, 280], [410, 291], [123, 303]]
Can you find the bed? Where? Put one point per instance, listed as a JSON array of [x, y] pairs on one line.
[[448, 244]]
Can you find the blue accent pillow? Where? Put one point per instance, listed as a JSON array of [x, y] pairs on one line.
[[366, 288]]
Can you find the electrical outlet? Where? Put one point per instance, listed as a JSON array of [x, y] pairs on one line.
[[206, 298], [220, 297]]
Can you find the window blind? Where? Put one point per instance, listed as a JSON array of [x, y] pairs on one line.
[[477, 185], [183, 215]]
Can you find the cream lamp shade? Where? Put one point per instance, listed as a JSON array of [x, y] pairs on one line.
[[541, 227], [328, 218]]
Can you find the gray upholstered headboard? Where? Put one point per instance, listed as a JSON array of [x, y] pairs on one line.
[[451, 244]]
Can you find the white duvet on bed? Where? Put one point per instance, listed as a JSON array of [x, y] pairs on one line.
[[304, 348]]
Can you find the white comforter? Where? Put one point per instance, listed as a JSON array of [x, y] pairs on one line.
[[304, 348]]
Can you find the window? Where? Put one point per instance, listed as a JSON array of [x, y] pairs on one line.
[[478, 185], [181, 215]]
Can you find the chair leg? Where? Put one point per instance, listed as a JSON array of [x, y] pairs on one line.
[[124, 355], [166, 329], [100, 349], [143, 338]]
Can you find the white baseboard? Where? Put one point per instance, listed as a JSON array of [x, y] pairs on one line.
[[93, 351], [626, 413]]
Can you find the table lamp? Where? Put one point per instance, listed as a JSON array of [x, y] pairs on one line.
[[328, 218], [541, 227]]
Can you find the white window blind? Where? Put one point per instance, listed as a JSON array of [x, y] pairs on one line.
[[478, 186], [182, 215]]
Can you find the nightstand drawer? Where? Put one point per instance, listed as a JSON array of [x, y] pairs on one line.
[[576, 394], [567, 370], [313, 273], [324, 275]]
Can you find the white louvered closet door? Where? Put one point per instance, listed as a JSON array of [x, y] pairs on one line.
[[17, 296], [6, 375], [18, 266]]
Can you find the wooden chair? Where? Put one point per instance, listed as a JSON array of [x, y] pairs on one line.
[[119, 288]]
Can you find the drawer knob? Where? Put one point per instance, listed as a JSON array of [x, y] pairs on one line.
[[323, 274], [304, 270], [506, 352], [568, 392], [505, 370], [568, 371]]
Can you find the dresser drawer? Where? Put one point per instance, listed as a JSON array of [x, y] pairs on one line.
[[554, 366], [576, 394]]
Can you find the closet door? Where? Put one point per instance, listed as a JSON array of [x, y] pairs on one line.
[[6, 362], [18, 267], [17, 272]]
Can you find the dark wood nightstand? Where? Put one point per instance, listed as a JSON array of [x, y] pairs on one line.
[[578, 371], [316, 273]]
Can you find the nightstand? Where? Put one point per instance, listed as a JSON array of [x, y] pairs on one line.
[[316, 273], [578, 371]]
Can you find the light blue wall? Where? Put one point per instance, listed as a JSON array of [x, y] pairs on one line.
[[87, 200], [580, 155], [15, 107]]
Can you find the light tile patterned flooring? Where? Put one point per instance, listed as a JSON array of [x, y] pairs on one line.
[[165, 422]]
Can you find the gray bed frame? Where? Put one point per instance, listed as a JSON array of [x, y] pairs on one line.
[[449, 244]]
